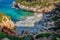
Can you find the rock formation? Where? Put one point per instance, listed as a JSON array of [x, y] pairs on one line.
[[7, 23], [7, 26], [34, 9]]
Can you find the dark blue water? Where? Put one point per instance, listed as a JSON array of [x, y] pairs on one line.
[[5, 2]]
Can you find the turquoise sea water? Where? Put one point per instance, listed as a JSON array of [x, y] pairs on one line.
[[15, 14]]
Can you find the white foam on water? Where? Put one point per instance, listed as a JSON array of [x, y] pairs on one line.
[[29, 22]]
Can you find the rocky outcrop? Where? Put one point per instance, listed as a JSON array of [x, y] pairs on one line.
[[8, 27], [7, 23], [15, 5], [34, 9], [8, 31]]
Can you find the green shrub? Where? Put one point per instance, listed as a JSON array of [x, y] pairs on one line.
[[43, 35]]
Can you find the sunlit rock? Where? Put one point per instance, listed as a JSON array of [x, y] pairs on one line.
[[7, 23]]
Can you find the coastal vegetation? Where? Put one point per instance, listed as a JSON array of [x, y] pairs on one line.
[[38, 6], [43, 35], [29, 37], [31, 3], [47, 35], [2, 35], [34, 3]]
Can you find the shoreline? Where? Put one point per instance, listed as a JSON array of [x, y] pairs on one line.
[[30, 21], [36, 12], [36, 9]]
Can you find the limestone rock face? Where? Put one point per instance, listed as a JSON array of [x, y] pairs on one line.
[[8, 31], [7, 23], [37, 9], [8, 27]]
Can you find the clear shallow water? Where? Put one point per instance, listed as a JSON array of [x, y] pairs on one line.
[[15, 14]]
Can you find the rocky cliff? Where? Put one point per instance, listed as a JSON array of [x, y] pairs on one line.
[[37, 9], [7, 26]]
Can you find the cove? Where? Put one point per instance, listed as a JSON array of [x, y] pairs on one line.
[[15, 14]]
